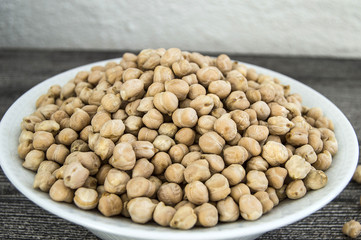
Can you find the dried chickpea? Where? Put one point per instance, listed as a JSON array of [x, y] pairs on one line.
[[207, 215], [251, 145], [184, 218], [102, 173], [196, 192], [238, 190], [99, 119], [161, 161], [33, 159], [262, 110], [228, 210], [352, 229], [235, 173], [48, 166], [205, 124], [250, 207], [132, 89], [181, 68], [279, 125], [197, 171], [276, 176], [203, 104], [42, 140], [67, 136], [179, 87], [273, 196], [257, 132], [315, 179], [174, 173], [112, 129], [235, 154], [206, 75], [185, 136], [153, 119], [257, 163], [169, 129], [196, 90], [297, 136], [165, 102], [57, 153], [143, 168], [357, 174], [110, 204], [297, 167], [191, 157], [131, 73], [145, 104], [237, 80], [218, 187], [225, 127], [86, 198], [257, 180], [184, 203], [129, 138], [307, 152], [185, 117], [123, 156], [177, 152], [237, 100], [133, 124], [275, 153], [154, 88], [211, 142], [116, 181], [139, 187], [220, 87], [163, 143], [44, 180], [267, 203], [296, 189], [60, 192], [104, 148], [324, 160], [170, 193], [163, 214], [216, 163]]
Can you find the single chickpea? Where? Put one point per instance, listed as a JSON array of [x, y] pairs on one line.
[[171, 56], [47, 126], [273, 195], [207, 215], [235, 154], [33, 159], [228, 210], [102, 173], [314, 139], [257, 180], [196, 90], [185, 136], [153, 119], [129, 138], [277, 110], [25, 136], [184, 218], [42, 140], [57, 153], [154, 88], [296, 189], [104, 148], [234, 173], [96, 76], [79, 146], [29, 122], [297, 167], [253, 95], [177, 152], [145, 104], [110, 204], [181, 68], [224, 63], [168, 129], [112, 129], [184, 203], [205, 124], [114, 74], [297, 136], [206, 75], [60, 192], [226, 127], [161, 161], [191, 78], [123, 157], [131, 73], [241, 118], [251, 145], [131, 108], [276, 176], [86, 198], [267, 203], [211, 142], [218, 187], [237, 80], [315, 179], [275, 153], [357, 174], [216, 163], [250, 207], [139, 187], [79, 119], [48, 166], [143, 168], [262, 110], [170, 193], [163, 214], [165, 102], [67, 136], [174, 173], [257, 163], [116, 181], [203, 104], [197, 171], [144, 149], [196, 192], [132, 89], [146, 134], [238, 190], [237, 100], [257, 132], [163, 143], [352, 229], [220, 88], [44, 180], [324, 160], [279, 125], [133, 124], [99, 119], [111, 102], [75, 175], [24, 148], [185, 117], [307, 152], [190, 158], [179, 87]]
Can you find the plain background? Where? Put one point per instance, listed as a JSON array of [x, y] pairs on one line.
[[297, 27]]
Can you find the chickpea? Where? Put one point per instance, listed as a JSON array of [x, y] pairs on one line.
[[184, 203], [163, 143], [228, 210], [116, 181], [163, 214], [297, 167], [237, 80], [184, 218], [133, 124], [146, 134], [324, 160], [181, 68], [297, 136], [211, 142], [203, 104], [196, 192], [276, 176], [33, 159], [123, 157], [99, 119], [357, 174], [241, 118], [234, 173], [67, 136], [307, 152], [237, 100], [218, 187], [206, 75], [86, 198], [250, 207], [102, 173], [273, 196], [238, 190], [251, 145], [296, 189], [166, 102], [267, 203], [132, 89], [190, 158], [153, 119], [139, 187], [196, 90], [216, 163], [79, 119], [279, 125], [197, 171], [352, 229], [145, 104], [180, 88], [185, 136], [314, 139], [186, 117], [257, 132], [154, 88], [79, 146], [235, 154], [44, 180], [42, 140], [143, 168], [131, 73], [60, 192], [144, 149], [257, 163], [191, 79], [161, 161], [129, 138], [112, 129], [205, 124], [220, 87], [48, 166], [110, 204], [226, 127], [104, 148], [315, 179], [57, 153], [275, 153], [131, 108], [174, 173], [114, 74], [257, 180], [25, 136], [170, 193], [177, 152], [207, 215], [24, 148]]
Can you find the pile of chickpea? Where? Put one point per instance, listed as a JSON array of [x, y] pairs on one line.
[[176, 137]]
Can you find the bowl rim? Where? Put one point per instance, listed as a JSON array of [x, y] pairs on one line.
[[149, 232]]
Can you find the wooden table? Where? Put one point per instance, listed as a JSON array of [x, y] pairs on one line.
[[338, 79]]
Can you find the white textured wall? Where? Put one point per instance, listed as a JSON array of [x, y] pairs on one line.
[[321, 27]]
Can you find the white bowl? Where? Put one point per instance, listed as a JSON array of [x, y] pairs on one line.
[[287, 212]]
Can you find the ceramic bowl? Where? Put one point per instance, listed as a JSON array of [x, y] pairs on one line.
[[287, 212]]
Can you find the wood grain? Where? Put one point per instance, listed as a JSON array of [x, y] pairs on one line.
[[338, 79]]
